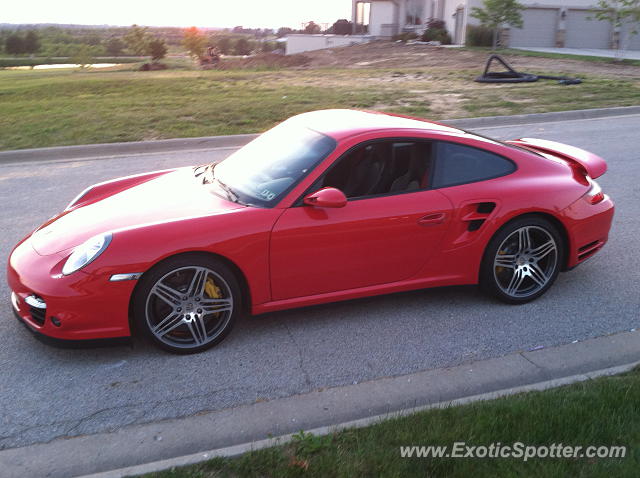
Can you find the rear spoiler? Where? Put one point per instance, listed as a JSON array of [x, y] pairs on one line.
[[590, 164]]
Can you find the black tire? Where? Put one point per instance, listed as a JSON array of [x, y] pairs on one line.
[[204, 313], [515, 274]]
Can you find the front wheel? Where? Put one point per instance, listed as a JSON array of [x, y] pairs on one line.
[[187, 304], [522, 260]]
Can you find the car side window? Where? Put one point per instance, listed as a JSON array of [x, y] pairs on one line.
[[459, 164], [381, 168]]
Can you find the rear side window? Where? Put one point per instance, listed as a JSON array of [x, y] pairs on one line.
[[460, 164]]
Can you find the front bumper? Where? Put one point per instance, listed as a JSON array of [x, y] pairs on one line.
[[79, 306]]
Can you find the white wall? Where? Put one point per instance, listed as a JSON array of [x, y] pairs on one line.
[[450, 8], [298, 43], [451, 5], [560, 3], [381, 13]]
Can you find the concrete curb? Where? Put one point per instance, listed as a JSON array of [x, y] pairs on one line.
[[238, 450], [236, 430], [535, 118], [95, 151]]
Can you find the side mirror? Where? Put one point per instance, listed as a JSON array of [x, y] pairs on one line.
[[327, 197]]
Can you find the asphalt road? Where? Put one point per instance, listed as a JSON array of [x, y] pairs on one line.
[[47, 393]]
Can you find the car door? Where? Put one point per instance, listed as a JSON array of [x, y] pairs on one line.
[[386, 232]]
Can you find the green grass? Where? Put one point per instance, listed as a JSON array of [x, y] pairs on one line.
[[604, 411], [559, 56], [54, 108]]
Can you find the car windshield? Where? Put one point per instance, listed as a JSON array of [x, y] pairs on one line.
[[265, 170]]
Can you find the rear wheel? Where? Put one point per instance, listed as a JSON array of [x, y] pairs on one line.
[[522, 260], [187, 304]]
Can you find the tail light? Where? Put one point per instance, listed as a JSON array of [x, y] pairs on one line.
[[595, 194]]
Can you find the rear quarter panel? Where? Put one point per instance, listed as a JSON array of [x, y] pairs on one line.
[[539, 185]]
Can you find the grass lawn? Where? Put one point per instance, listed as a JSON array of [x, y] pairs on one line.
[[599, 412], [53, 108]]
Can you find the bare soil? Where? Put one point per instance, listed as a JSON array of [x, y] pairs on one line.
[[385, 54]]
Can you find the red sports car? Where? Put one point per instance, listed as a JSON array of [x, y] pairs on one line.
[[327, 206]]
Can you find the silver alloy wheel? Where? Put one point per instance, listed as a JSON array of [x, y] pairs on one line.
[[189, 307], [525, 262]]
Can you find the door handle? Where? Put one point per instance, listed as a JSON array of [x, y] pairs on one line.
[[432, 219]]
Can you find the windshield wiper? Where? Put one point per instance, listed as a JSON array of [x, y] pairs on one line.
[[208, 178], [206, 172], [231, 194]]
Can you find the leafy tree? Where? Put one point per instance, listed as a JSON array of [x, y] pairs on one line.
[[283, 31], [92, 39], [342, 27], [195, 42], [137, 39], [224, 44], [157, 49], [497, 13], [82, 57], [242, 47], [620, 13], [269, 46], [114, 46], [312, 27], [14, 44], [31, 42]]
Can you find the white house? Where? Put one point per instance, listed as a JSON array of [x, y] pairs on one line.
[[548, 24]]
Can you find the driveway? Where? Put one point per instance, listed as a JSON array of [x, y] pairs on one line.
[[48, 393], [604, 53]]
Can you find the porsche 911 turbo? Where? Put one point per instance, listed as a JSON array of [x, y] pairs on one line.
[[328, 205]]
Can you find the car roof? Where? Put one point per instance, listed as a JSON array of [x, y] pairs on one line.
[[342, 123]]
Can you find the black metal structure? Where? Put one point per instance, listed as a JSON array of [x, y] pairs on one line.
[[513, 76]]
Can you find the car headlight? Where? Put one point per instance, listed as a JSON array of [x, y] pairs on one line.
[[86, 252]]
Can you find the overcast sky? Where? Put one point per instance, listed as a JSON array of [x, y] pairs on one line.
[[212, 13]]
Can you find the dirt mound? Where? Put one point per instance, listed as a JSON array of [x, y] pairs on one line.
[[386, 54], [265, 60]]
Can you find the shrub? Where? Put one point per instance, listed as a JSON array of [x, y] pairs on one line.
[[441, 35], [436, 24], [436, 31], [405, 36], [478, 35]]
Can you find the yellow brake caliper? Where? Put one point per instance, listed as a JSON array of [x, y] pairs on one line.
[[212, 290]]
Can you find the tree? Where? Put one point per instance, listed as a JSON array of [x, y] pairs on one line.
[[82, 57], [620, 13], [137, 39], [224, 44], [312, 28], [283, 31], [242, 47], [195, 42], [157, 49], [114, 46], [497, 13], [31, 42], [269, 46], [14, 44], [342, 27]]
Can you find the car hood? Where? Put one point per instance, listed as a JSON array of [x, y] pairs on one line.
[[169, 197]]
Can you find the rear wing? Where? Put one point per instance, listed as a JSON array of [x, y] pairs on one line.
[[590, 164]]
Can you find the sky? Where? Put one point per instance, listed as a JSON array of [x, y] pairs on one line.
[[182, 13]]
